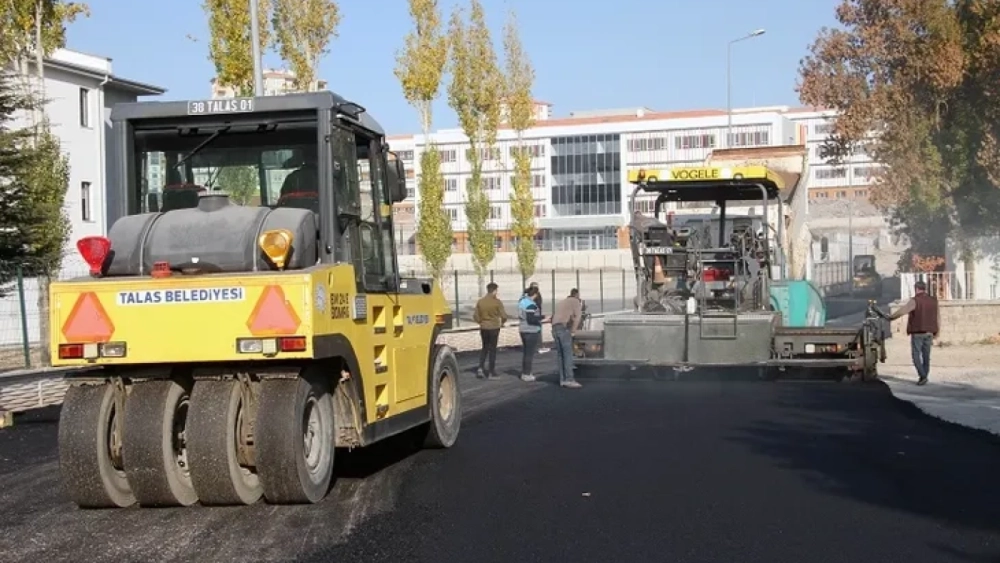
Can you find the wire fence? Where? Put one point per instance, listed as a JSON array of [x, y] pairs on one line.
[[605, 290]]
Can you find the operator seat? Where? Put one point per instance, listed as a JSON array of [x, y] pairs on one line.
[[301, 188]]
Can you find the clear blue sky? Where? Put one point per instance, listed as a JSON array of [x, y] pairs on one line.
[[666, 55]]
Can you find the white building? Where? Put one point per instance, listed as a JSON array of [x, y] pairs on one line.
[[581, 165], [81, 90], [276, 83]]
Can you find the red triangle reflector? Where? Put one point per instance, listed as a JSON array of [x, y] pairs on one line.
[[273, 314], [88, 321]]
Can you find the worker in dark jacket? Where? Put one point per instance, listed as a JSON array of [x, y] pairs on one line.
[[491, 316], [537, 298], [922, 325]]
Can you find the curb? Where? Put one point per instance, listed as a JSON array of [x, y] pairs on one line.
[[927, 407]]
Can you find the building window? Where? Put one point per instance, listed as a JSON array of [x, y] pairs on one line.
[[453, 213], [410, 192], [449, 155], [451, 184], [536, 151], [537, 180], [864, 171], [647, 144], [694, 142], [830, 173], [85, 208], [586, 175], [489, 183], [496, 213], [822, 128], [405, 155], [750, 139], [84, 107]]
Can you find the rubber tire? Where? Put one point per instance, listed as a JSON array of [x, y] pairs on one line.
[[216, 473], [88, 474], [443, 429], [281, 464], [152, 470]]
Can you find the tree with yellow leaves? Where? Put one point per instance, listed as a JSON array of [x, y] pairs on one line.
[[520, 77], [475, 93], [32, 30], [420, 68], [303, 29], [230, 47]]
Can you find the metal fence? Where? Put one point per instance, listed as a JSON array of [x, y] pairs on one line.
[[833, 278], [953, 286]]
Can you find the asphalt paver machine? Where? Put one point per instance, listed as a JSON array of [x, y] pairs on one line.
[[714, 292]]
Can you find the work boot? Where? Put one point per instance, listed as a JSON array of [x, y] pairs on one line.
[[571, 384]]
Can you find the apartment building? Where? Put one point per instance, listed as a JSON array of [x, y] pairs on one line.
[[276, 83], [580, 165], [81, 90]]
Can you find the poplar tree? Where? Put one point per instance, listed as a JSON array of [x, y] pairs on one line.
[[303, 29], [475, 94], [229, 46], [420, 68], [520, 77]]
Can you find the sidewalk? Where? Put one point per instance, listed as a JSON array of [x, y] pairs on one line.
[[964, 386]]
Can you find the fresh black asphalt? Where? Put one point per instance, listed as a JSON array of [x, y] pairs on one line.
[[734, 472]]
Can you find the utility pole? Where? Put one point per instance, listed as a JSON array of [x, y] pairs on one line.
[[850, 225], [258, 75], [729, 83]]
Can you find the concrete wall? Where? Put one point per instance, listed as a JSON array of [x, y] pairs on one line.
[[962, 321]]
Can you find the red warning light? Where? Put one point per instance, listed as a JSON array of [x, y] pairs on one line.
[[95, 251], [88, 321], [273, 314]]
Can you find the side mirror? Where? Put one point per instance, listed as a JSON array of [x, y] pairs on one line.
[[397, 180]]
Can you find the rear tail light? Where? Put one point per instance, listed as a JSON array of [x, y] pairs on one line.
[[92, 350], [271, 346]]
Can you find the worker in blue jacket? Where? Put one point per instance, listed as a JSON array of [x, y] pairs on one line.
[[530, 329]]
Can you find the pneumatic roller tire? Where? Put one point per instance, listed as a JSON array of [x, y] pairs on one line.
[[213, 429], [295, 440], [89, 454], [444, 400], [155, 444]]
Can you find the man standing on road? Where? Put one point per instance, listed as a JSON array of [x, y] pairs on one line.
[[565, 319], [490, 316], [530, 329], [922, 325]]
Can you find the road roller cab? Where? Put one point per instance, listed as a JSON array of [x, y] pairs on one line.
[[245, 313]]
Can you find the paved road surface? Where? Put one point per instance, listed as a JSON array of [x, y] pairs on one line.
[[643, 471]]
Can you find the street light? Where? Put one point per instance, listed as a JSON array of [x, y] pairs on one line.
[[258, 76], [729, 82]]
